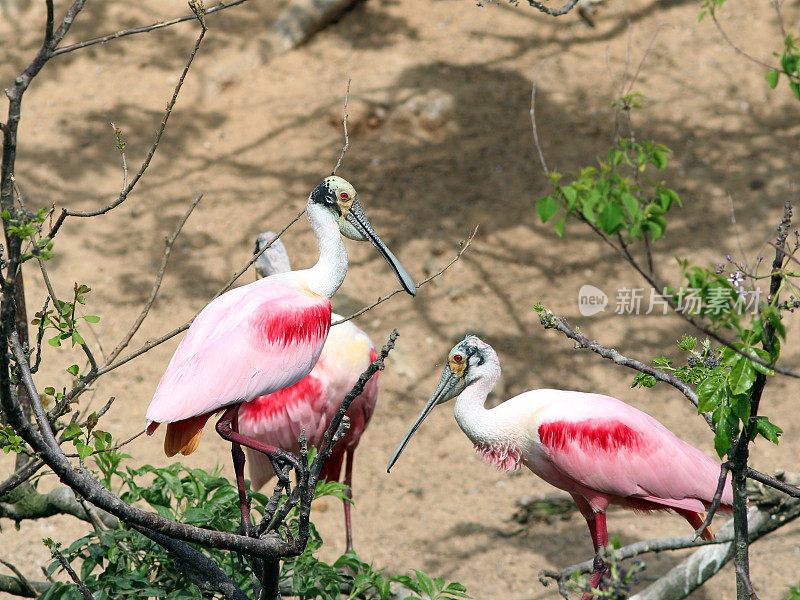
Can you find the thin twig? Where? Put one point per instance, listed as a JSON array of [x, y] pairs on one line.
[[145, 28], [773, 482], [533, 128], [73, 575], [168, 244], [464, 246], [23, 581], [121, 148], [716, 500], [65, 212], [734, 46], [346, 146], [550, 321], [20, 476], [553, 12], [57, 307]]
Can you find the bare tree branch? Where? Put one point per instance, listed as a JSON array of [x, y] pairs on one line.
[[550, 321], [65, 212], [84, 483], [71, 572], [553, 12], [60, 501], [170, 241], [464, 245], [698, 568], [20, 476], [763, 520], [19, 585], [145, 28], [204, 570], [346, 146]]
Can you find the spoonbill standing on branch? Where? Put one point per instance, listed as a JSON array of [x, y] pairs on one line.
[[309, 405], [261, 337], [599, 449]]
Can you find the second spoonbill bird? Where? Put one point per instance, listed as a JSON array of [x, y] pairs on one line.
[[278, 419], [261, 337], [599, 449]]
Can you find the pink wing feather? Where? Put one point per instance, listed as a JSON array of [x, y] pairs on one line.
[[625, 454], [253, 340], [310, 404]]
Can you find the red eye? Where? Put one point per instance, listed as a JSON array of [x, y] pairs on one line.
[[344, 195], [457, 358]]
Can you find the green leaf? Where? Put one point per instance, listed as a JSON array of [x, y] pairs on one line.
[[569, 193], [84, 450], [73, 370], [547, 207], [723, 437], [710, 394], [76, 338], [767, 429], [560, 225], [772, 78], [92, 318], [742, 376], [740, 404], [55, 341], [659, 159], [425, 583], [610, 218], [72, 430]]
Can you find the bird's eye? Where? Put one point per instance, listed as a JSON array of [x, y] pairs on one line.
[[344, 195], [457, 358]]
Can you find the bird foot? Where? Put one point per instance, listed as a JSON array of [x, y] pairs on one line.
[[279, 464]]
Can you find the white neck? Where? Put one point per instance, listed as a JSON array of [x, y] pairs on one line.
[[325, 277], [471, 415]]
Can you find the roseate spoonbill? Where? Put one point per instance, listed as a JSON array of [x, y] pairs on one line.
[[599, 449], [278, 419], [261, 337]]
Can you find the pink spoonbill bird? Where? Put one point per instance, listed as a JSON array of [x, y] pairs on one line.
[[277, 419], [599, 449], [261, 337]]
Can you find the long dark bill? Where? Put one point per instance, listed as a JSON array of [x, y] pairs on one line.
[[449, 385], [356, 217]]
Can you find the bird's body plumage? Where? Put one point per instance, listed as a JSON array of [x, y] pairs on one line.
[[254, 340], [599, 449], [262, 337], [310, 404], [595, 447]]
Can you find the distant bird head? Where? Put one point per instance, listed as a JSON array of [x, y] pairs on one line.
[[274, 259], [468, 361], [341, 199]]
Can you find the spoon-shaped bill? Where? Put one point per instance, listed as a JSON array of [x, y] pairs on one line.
[[449, 385], [361, 229]]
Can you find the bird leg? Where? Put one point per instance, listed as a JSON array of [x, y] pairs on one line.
[[238, 468], [348, 482], [599, 533], [228, 429], [244, 501]]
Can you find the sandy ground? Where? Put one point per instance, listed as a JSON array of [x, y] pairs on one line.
[[255, 132]]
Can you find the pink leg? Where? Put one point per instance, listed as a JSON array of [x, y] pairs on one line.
[[599, 533], [228, 429], [348, 482], [238, 468]]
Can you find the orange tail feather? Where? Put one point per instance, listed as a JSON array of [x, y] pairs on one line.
[[184, 436]]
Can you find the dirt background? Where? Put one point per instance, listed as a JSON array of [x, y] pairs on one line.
[[255, 132]]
